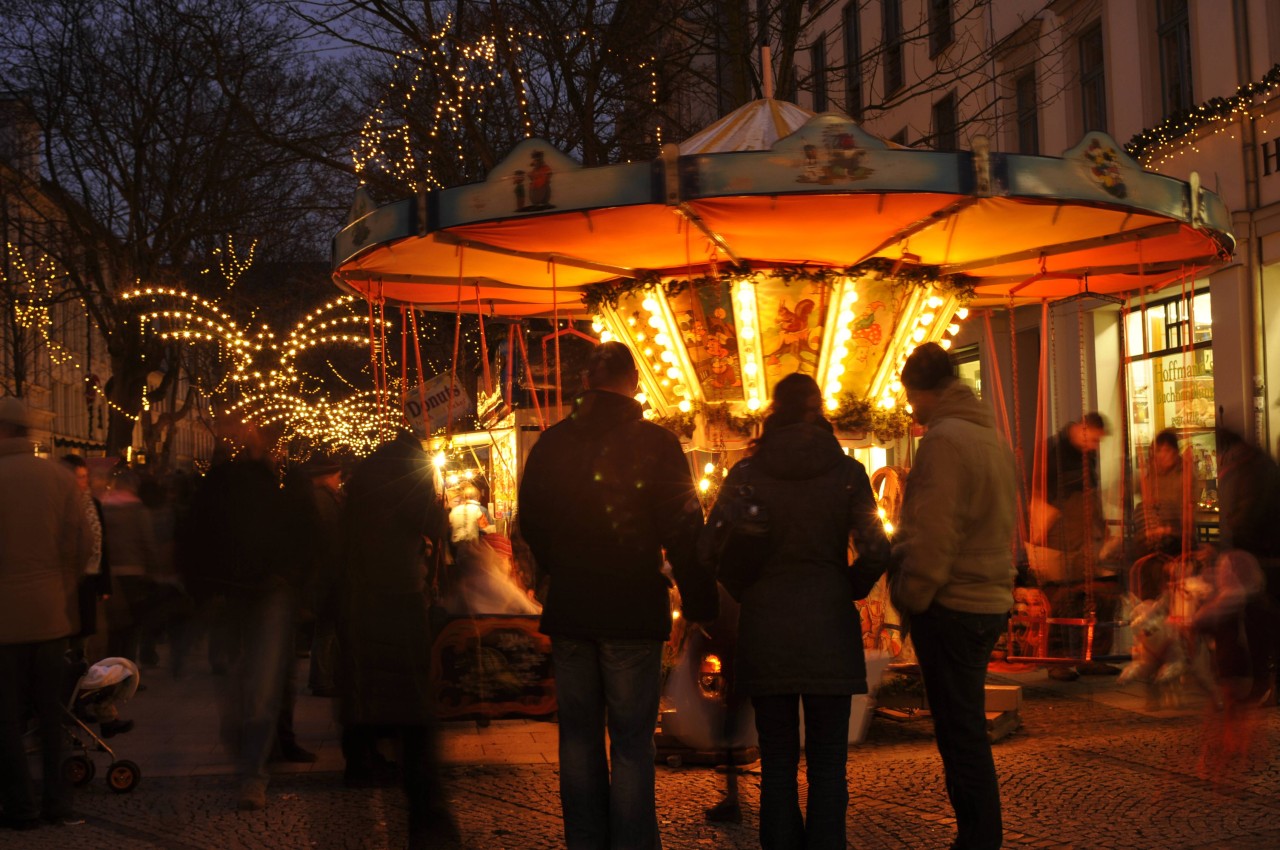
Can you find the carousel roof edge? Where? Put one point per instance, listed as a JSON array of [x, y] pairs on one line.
[[386, 224]]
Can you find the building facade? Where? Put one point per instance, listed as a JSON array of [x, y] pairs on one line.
[[1192, 87], [51, 353]]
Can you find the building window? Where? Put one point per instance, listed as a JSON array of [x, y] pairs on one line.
[[891, 15], [944, 124], [1174, 31], [1093, 79], [818, 57], [852, 60], [900, 137], [940, 33], [1028, 113]]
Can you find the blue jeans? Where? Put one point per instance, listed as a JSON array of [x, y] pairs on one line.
[[613, 682], [263, 626], [35, 674], [953, 648], [826, 752]]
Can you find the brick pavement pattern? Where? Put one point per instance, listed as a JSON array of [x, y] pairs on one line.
[[1090, 767]]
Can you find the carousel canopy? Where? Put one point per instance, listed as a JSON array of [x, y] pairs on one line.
[[776, 241]]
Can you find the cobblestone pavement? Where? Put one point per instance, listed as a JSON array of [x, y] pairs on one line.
[[1090, 767]]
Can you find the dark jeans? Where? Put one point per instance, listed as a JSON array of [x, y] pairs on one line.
[[826, 751], [32, 675], [953, 648], [263, 625], [615, 682]]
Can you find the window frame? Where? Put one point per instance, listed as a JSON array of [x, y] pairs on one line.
[[941, 26], [1027, 114], [818, 72], [1093, 77], [1173, 35], [891, 31], [852, 59]]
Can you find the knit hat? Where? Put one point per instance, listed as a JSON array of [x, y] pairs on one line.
[[13, 411]]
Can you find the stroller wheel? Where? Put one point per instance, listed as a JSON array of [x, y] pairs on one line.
[[123, 776], [78, 770]]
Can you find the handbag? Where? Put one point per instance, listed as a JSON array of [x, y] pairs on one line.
[[736, 541]]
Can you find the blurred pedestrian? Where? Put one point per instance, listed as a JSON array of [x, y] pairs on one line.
[[392, 524], [799, 635], [1249, 502], [954, 576], [604, 493], [134, 563], [234, 547], [1067, 517], [314, 499], [96, 584], [44, 549]]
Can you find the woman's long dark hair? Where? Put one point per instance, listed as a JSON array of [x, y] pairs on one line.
[[796, 398]]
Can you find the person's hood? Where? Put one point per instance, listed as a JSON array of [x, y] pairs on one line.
[[798, 452], [598, 411], [958, 402]]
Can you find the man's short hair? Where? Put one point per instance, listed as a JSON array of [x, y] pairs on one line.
[[928, 368], [608, 363], [1096, 421]]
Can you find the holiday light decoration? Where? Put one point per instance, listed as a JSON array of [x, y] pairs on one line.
[[1154, 147], [264, 377], [37, 289], [710, 349], [444, 89]]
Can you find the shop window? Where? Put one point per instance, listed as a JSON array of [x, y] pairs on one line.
[[1093, 79], [1170, 386]]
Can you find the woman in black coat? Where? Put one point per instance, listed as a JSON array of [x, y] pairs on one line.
[[391, 523], [799, 638]]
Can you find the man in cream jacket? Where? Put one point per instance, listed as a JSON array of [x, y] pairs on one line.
[[953, 577]]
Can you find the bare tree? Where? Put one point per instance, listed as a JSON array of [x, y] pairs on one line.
[[153, 151]]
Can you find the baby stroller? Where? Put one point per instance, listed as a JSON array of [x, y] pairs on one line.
[[93, 697]]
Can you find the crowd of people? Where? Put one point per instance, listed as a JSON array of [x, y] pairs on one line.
[[355, 563]]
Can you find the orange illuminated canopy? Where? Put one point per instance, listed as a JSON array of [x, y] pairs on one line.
[[541, 229]]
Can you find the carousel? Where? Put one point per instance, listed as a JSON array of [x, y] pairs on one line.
[[772, 242]]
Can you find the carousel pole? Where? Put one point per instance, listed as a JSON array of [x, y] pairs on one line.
[[404, 358], [373, 363], [457, 336], [382, 338], [528, 370], [555, 323], [422, 394], [484, 345]]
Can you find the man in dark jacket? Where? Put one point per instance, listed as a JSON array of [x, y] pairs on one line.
[[233, 547], [392, 526], [955, 578], [604, 493]]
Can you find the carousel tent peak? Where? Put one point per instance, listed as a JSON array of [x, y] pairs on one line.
[[752, 127]]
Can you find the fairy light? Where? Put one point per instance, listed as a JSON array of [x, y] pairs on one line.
[[264, 371], [1158, 145]]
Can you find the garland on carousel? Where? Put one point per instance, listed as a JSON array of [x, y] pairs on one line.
[[857, 415], [715, 414], [609, 293]]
